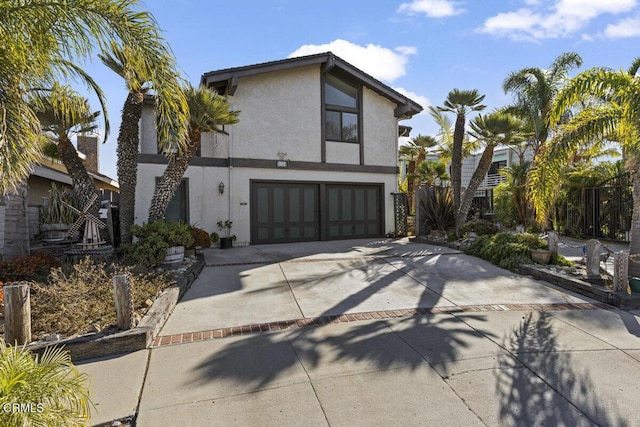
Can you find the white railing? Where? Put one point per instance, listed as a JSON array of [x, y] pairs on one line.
[[492, 180]]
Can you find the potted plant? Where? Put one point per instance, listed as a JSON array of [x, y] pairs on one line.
[[161, 241], [225, 227], [56, 216]]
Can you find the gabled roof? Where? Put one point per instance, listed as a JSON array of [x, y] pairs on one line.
[[328, 61]]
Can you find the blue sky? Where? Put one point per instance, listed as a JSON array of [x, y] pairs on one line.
[[422, 48]]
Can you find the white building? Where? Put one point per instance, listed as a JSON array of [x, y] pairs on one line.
[[314, 156]]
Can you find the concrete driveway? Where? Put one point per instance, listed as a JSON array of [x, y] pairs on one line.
[[376, 332], [268, 283]]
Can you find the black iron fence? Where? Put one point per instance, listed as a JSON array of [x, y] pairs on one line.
[[602, 212]]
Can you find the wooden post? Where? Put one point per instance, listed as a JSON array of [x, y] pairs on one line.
[[621, 271], [593, 257], [123, 300], [553, 239], [17, 313]]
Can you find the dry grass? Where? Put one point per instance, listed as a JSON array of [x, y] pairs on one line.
[[76, 299]]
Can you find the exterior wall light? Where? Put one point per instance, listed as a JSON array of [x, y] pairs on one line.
[[221, 187]]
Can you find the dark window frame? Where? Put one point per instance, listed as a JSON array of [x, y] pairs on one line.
[[326, 107]]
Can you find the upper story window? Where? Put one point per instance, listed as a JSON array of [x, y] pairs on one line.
[[342, 110]]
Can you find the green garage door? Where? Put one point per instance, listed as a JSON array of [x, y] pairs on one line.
[[353, 211], [302, 212], [284, 212]]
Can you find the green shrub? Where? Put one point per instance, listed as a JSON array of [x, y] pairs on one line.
[[153, 241], [480, 227], [505, 249]]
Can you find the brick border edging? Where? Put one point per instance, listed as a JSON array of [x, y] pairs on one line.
[[259, 328], [139, 338]]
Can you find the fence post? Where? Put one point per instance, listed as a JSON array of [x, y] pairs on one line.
[[553, 239], [593, 258], [123, 300], [17, 313], [620, 271]]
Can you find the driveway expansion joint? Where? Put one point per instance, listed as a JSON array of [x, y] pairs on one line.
[[259, 328]]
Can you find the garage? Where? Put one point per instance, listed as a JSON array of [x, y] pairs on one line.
[[302, 212]]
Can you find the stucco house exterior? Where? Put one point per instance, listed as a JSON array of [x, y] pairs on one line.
[[314, 156]]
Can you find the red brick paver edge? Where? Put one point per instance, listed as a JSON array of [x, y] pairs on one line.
[[165, 340]]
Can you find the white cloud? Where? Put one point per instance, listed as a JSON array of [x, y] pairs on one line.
[[380, 62], [563, 18], [431, 8], [629, 27], [420, 99]]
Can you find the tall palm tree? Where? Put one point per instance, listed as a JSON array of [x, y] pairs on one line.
[[41, 42], [207, 112], [139, 81], [461, 103], [415, 151], [497, 128], [62, 113], [535, 88], [610, 110]]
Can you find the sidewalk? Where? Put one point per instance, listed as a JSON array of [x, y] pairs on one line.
[[392, 333]]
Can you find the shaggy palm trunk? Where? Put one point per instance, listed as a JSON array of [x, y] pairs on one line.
[[484, 164], [128, 141], [634, 244], [82, 182], [171, 178], [456, 165]]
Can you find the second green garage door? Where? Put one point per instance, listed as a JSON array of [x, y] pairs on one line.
[[301, 212]]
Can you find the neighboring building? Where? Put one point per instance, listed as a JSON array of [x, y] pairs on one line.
[[314, 156], [39, 183]]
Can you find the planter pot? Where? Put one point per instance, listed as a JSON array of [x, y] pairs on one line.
[[541, 256], [54, 233], [226, 242], [634, 284], [175, 255]]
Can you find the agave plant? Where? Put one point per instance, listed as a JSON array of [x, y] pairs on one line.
[[436, 208], [44, 390]]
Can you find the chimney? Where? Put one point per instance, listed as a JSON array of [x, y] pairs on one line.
[[88, 145]]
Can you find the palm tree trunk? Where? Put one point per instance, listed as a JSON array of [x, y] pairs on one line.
[[128, 140], [171, 179], [82, 182], [484, 164], [634, 244], [456, 162]]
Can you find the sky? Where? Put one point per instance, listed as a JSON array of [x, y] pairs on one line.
[[421, 48]]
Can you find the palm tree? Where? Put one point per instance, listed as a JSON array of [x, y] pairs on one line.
[[41, 42], [445, 138], [609, 110], [535, 88], [139, 81], [428, 171], [414, 153], [62, 113], [58, 392], [461, 103], [493, 129], [207, 112]]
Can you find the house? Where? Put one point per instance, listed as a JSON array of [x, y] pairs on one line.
[[314, 156], [13, 227]]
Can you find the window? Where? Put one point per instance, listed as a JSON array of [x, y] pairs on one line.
[[342, 110]]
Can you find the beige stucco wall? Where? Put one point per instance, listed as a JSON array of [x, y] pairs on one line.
[[343, 152], [279, 112], [379, 130]]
